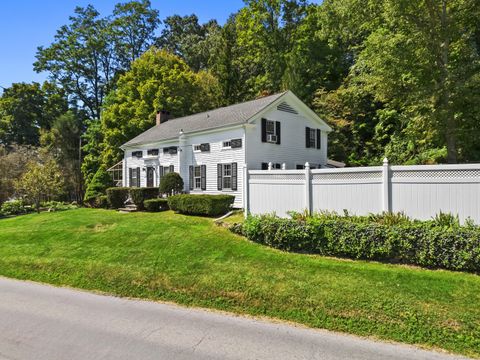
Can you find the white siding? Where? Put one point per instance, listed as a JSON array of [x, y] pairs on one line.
[[186, 157], [215, 156], [291, 150]]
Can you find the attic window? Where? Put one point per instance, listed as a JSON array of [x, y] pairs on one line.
[[286, 108]]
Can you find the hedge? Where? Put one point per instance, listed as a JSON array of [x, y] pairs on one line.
[[428, 244], [139, 195], [206, 205], [156, 205], [117, 196]]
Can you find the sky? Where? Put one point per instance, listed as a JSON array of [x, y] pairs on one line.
[[27, 24]]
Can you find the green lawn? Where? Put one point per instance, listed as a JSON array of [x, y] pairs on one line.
[[191, 261]]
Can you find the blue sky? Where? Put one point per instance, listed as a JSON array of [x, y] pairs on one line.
[[26, 24]]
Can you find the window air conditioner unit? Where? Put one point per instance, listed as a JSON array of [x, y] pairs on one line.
[[272, 138]]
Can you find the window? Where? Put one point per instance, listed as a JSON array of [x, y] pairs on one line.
[[312, 138], [300, 167], [197, 177], [275, 166], [236, 143], [152, 152], [227, 144], [137, 154], [197, 148], [134, 177], [227, 176], [271, 131], [172, 150]]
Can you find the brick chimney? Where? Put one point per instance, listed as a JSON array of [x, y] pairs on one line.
[[162, 116]]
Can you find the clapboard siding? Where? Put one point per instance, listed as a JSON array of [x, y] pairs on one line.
[[292, 149]]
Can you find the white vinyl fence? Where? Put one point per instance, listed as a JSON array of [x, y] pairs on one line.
[[420, 192]]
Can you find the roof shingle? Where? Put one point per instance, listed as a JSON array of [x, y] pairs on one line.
[[229, 115]]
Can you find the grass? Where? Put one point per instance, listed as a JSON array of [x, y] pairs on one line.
[[189, 260]]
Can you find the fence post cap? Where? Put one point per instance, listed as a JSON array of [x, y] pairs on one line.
[[385, 161], [270, 165], [307, 165], [284, 166]]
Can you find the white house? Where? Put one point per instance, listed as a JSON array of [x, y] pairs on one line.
[[210, 150]]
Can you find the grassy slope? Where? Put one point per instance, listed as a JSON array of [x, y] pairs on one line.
[[190, 261]]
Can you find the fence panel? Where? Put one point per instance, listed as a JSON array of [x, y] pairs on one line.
[[424, 191], [277, 191], [421, 192], [357, 190]]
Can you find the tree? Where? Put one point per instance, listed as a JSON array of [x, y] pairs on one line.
[[63, 142], [133, 26], [186, 38], [41, 181], [13, 161], [90, 51], [25, 109], [82, 58], [101, 181], [171, 184], [157, 80]]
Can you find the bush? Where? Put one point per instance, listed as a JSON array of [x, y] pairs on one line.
[[206, 205], [97, 187], [171, 184], [58, 206], [15, 207], [139, 195], [101, 202], [156, 205], [117, 196], [432, 244]]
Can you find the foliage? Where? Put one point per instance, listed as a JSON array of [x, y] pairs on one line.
[[156, 80], [52, 206], [63, 142], [186, 38], [13, 161], [88, 53], [204, 205], [139, 195], [117, 196], [156, 205], [27, 108], [14, 207], [171, 184], [385, 237], [98, 186], [151, 256], [41, 181]]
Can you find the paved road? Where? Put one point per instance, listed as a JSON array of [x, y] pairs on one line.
[[47, 323]]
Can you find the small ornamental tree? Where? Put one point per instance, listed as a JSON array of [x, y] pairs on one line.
[[171, 184], [101, 181], [41, 181]]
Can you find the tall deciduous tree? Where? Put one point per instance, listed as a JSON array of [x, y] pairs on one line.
[[41, 181], [25, 109], [186, 37], [157, 80], [133, 25]]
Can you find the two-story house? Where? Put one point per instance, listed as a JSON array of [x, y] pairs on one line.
[[211, 150]]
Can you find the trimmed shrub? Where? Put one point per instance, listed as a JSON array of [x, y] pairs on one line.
[[385, 238], [15, 207], [98, 186], [101, 202], [139, 195], [205, 205], [156, 205], [57, 206], [117, 196], [171, 184]]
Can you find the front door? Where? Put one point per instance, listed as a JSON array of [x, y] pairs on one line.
[[150, 172]]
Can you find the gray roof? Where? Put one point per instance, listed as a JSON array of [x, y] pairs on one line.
[[225, 116]]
